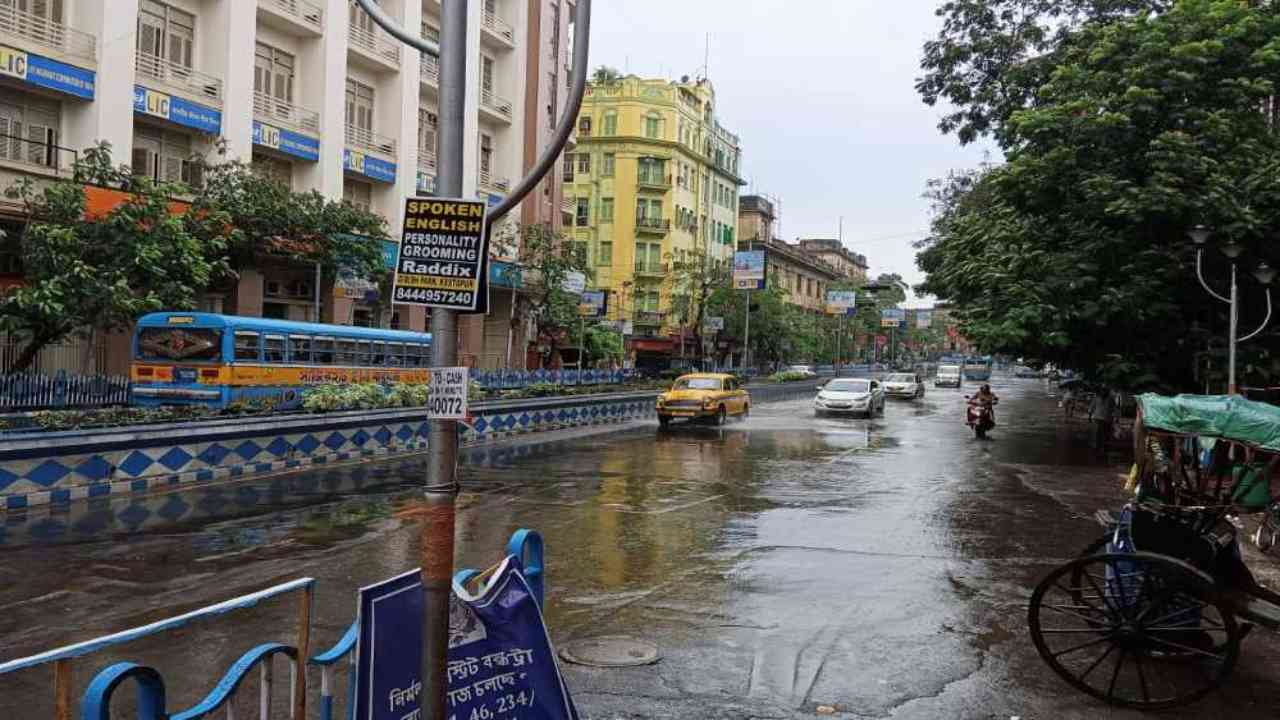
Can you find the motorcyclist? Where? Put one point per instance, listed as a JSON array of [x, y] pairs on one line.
[[985, 398]]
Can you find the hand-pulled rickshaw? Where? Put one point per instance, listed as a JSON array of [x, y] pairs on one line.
[[1152, 614]]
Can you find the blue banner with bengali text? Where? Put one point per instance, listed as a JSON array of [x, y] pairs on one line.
[[176, 110], [286, 141], [389, 650]]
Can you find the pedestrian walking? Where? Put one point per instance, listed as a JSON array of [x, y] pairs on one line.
[[1101, 413]]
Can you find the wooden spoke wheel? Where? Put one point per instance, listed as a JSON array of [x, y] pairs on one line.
[[1135, 630]]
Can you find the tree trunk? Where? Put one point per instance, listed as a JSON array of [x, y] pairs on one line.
[[29, 353]]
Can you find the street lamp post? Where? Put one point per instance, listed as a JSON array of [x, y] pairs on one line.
[[1264, 274]]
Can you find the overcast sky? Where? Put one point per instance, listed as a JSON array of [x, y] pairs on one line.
[[821, 92]]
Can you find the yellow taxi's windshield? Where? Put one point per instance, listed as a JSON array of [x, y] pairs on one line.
[[697, 384]]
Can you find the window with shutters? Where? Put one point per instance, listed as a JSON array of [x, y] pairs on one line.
[[584, 163], [486, 156], [359, 194], [165, 156], [568, 167], [428, 132], [273, 77], [29, 129], [582, 218], [359, 106], [166, 33], [606, 165], [361, 19]]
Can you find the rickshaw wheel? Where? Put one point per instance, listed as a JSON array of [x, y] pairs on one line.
[[1141, 630]]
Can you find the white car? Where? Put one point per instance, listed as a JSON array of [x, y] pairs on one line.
[[849, 396], [806, 370], [904, 385], [947, 376]]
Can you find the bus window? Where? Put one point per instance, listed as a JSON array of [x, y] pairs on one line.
[[247, 346], [363, 353], [299, 349], [378, 356], [273, 349], [322, 351], [395, 354], [420, 355], [346, 352], [180, 344]]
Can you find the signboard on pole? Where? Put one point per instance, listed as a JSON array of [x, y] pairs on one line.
[[748, 270], [574, 283], [892, 317], [448, 393], [924, 318], [444, 254], [715, 323], [389, 649], [842, 302], [594, 304]]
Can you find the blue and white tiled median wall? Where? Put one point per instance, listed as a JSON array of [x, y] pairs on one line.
[[92, 464]]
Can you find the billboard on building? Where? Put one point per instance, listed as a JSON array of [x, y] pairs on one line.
[[748, 270], [842, 302], [594, 304], [924, 318], [892, 317]]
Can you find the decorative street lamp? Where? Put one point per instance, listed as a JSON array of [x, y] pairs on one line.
[[1264, 274]]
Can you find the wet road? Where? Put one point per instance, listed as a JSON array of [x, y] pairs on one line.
[[881, 567]]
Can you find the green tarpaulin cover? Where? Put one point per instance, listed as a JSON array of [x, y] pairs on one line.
[[1225, 416]]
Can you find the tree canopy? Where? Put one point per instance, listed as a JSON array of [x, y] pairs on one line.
[[1130, 124]]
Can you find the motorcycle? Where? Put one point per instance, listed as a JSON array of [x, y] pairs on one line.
[[980, 416]]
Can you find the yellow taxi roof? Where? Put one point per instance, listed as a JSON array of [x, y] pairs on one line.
[[717, 376]]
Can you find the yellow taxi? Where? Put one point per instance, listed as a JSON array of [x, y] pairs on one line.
[[713, 396]]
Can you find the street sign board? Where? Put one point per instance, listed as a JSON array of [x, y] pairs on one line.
[[842, 302], [715, 323], [448, 393], [892, 317], [574, 283], [444, 254], [748, 270], [924, 318], [389, 649], [594, 304]]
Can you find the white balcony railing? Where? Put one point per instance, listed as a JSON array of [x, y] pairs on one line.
[[430, 69], [275, 110], [303, 11], [427, 161], [495, 103], [498, 26], [374, 42], [369, 141], [181, 77], [47, 33], [489, 181]]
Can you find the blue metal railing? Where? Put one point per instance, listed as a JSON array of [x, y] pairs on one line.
[[517, 379]]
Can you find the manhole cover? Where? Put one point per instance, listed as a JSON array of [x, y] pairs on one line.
[[610, 651]]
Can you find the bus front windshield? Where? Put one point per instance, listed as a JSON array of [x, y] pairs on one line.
[[185, 344]]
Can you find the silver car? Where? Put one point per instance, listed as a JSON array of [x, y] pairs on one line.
[[904, 385], [850, 396]]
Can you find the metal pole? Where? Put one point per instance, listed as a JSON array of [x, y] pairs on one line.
[[317, 293], [437, 528], [746, 348], [511, 328], [1231, 346]]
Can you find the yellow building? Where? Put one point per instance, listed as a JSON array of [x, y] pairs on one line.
[[654, 177]]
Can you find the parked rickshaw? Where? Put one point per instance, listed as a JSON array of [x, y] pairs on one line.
[[1152, 614]]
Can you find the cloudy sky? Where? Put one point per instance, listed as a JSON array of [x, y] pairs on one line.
[[821, 93]]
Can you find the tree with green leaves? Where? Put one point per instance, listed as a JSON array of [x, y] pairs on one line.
[[103, 272], [691, 279], [548, 259], [606, 76], [1136, 122]]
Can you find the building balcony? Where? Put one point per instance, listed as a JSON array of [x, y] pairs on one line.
[[26, 30], [648, 318], [371, 142], [429, 71], [496, 30], [275, 111], [303, 18], [653, 181], [493, 183], [569, 205], [374, 47], [653, 226], [427, 161], [497, 107], [36, 157], [179, 77]]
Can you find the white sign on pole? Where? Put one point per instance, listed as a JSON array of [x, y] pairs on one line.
[[448, 398], [574, 283], [715, 323]]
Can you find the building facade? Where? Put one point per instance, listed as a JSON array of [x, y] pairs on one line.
[[654, 177], [803, 277], [850, 265], [312, 91]]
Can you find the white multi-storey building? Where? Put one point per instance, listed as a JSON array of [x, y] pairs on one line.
[[313, 90]]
